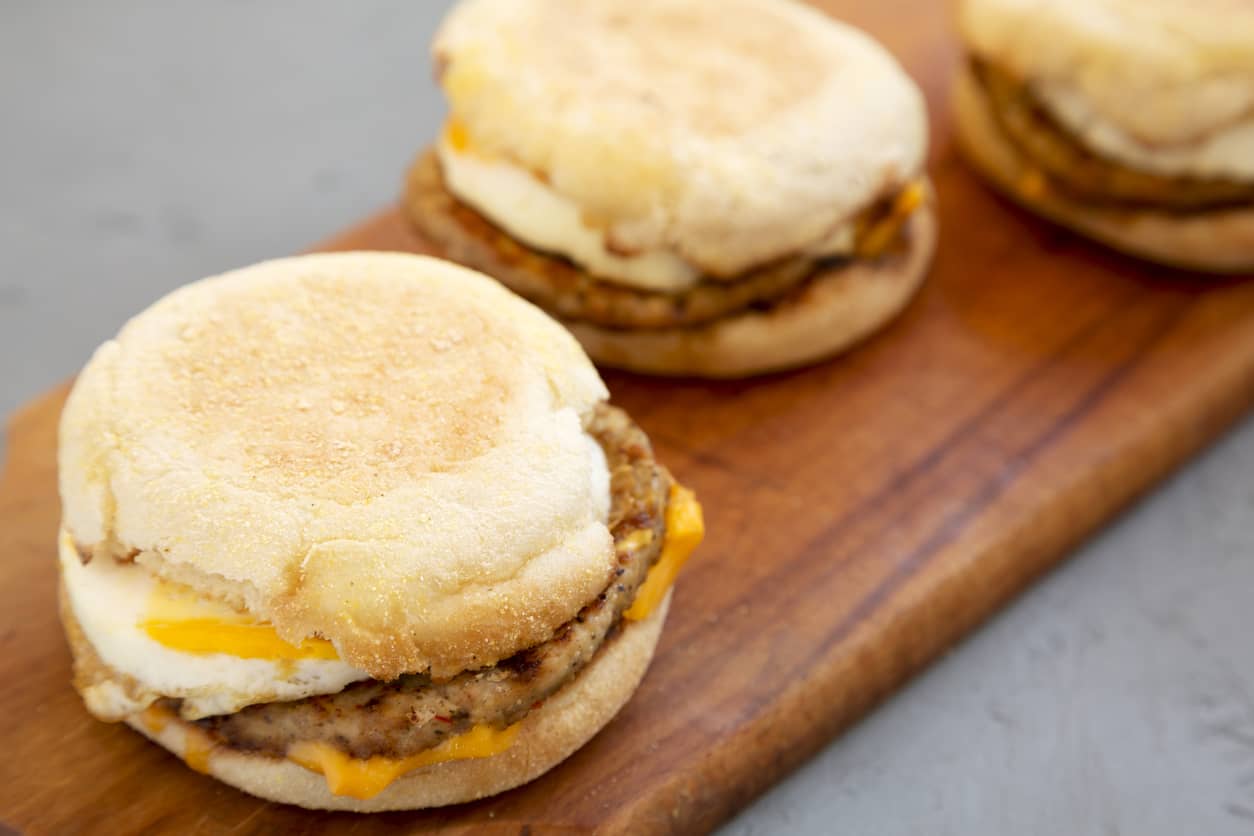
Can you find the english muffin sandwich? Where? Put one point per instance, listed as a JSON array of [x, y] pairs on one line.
[[1130, 121], [694, 187], [360, 532]]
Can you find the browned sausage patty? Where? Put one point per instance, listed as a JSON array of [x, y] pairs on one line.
[[1087, 176], [560, 287], [398, 718]]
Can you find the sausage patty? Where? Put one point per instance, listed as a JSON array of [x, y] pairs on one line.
[[1086, 175], [562, 288], [407, 715]]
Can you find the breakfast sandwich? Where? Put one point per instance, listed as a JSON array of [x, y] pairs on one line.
[[360, 532], [715, 188], [1130, 121]]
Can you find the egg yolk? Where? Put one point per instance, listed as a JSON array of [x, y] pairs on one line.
[[180, 620]]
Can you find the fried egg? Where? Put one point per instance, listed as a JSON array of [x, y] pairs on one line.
[[533, 212], [173, 643]]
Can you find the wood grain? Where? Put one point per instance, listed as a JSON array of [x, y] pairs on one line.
[[863, 515]]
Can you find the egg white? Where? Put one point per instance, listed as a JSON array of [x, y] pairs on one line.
[[1226, 153], [110, 599]]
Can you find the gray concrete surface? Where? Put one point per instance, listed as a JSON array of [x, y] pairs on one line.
[[143, 145]]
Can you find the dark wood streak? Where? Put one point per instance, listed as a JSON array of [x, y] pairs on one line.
[[938, 452], [909, 567]]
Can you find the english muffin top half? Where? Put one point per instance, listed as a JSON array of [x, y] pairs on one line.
[[243, 437], [670, 141]]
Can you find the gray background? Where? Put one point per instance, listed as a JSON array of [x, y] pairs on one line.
[[146, 145]]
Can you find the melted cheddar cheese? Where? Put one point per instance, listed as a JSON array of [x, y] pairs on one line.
[[365, 778], [876, 237], [456, 136], [198, 746], [155, 719], [685, 528], [1033, 184]]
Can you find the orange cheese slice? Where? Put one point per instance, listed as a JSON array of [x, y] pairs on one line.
[[198, 747], [365, 778], [875, 239], [456, 136], [685, 528], [1033, 184]]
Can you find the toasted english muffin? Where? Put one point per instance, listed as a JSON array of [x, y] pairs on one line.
[[1215, 240], [311, 498], [675, 163], [1130, 121]]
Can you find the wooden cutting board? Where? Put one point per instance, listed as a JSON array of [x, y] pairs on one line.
[[863, 515]]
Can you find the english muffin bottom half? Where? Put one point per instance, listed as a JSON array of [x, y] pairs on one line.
[[693, 187], [1129, 121], [360, 532]]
